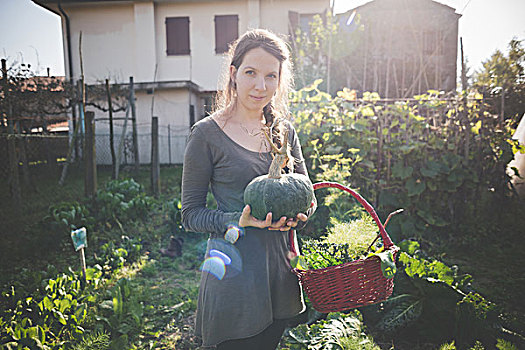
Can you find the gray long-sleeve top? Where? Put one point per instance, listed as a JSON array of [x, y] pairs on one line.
[[257, 285]]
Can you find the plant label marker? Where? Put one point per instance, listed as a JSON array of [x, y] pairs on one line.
[[79, 238]]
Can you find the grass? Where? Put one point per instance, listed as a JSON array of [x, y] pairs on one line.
[[21, 245], [168, 288], [490, 249]]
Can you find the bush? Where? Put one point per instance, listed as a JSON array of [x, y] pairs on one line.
[[442, 159]]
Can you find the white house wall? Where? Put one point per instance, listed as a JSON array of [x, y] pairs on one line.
[[204, 62], [145, 49], [123, 39], [108, 41], [170, 106], [274, 13]]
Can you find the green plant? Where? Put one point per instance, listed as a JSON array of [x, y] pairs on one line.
[[502, 344], [338, 331], [133, 248], [65, 217], [358, 234], [120, 200], [122, 314], [344, 242], [128, 188], [354, 343], [52, 319], [440, 159], [111, 257], [174, 214], [94, 341], [433, 302]]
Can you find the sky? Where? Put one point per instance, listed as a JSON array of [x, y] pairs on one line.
[[32, 35]]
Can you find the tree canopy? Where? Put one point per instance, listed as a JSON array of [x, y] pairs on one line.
[[503, 79]]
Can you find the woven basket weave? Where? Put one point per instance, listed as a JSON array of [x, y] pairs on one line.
[[352, 284]]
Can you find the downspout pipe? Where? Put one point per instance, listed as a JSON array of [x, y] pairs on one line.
[[68, 36], [70, 65]]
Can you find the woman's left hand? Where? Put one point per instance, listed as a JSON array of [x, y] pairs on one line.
[[290, 223]]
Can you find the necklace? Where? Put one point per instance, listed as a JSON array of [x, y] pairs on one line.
[[255, 131]]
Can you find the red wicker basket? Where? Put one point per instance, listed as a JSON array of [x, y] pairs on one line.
[[353, 284]]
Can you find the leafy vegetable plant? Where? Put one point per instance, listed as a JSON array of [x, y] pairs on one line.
[[345, 242]]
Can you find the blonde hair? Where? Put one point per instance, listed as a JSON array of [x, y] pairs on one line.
[[277, 108]]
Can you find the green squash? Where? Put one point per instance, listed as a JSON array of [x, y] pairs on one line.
[[287, 195], [281, 194]]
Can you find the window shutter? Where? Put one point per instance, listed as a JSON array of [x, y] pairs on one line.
[[226, 31], [178, 35]]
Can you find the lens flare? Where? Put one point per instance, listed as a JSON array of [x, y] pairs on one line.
[[233, 233], [223, 260], [215, 266], [217, 253]]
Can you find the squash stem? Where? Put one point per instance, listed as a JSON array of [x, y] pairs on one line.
[[280, 156], [276, 166]]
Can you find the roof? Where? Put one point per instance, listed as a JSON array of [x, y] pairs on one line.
[[49, 2], [31, 84], [172, 84], [395, 4]]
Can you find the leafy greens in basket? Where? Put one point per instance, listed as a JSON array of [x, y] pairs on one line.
[[345, 242]]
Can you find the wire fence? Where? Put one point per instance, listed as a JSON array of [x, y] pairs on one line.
[[42, 156], [32, 153], [171, 148]]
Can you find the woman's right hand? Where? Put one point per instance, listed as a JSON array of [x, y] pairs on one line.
[[247, 219]]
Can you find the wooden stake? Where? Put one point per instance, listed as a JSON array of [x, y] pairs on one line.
[[111, 136], [121, 141], [13, 177], [83, 265], [90, 156], [463, 68]]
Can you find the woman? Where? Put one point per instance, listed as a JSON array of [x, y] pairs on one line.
[[246, 298]]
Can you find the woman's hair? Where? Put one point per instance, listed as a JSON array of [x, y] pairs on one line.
[[277, 47]]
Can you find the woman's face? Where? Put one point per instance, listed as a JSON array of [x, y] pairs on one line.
[[257, 79]]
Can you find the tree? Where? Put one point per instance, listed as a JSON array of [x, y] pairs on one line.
[[503, 79], [324, 50]]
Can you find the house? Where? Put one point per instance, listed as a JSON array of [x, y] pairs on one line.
[[408, 47], [173, 49]]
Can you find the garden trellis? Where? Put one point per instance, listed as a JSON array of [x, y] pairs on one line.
[[31, 108], [432, 154]]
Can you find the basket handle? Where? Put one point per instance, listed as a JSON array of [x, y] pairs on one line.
[[384, 235]]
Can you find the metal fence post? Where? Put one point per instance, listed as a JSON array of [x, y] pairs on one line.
[[169, 145], [134, 123], [155, 165]]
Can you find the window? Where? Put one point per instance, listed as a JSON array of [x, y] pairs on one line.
[[208, 104], [226, 31], [302, 21], [192, 115], [305, 20], [178, 36]]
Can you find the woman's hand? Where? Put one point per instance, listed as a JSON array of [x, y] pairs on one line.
[[290, 223], [282, 224]]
